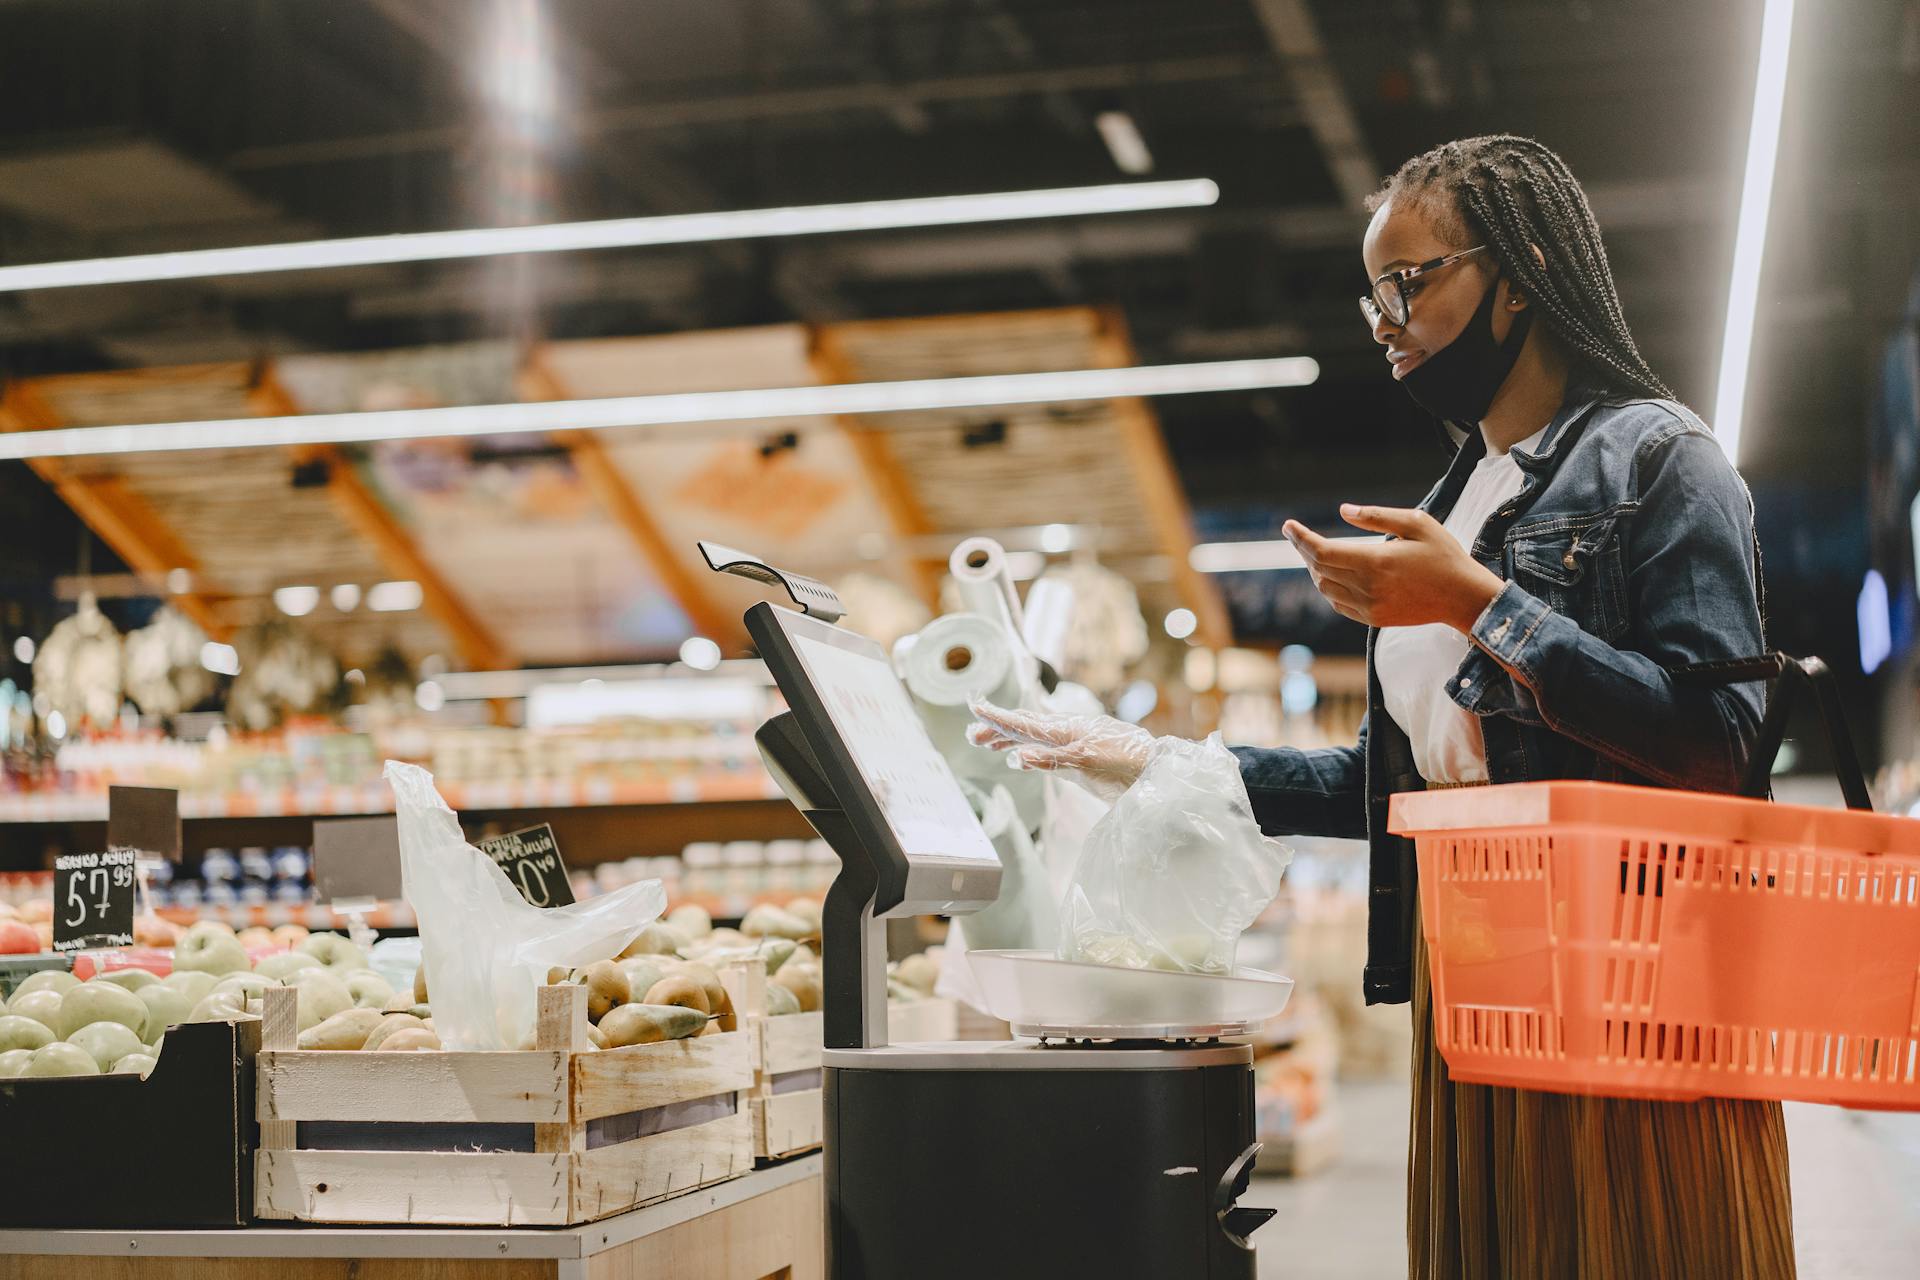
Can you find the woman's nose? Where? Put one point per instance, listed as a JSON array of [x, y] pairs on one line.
[[1384, 329]]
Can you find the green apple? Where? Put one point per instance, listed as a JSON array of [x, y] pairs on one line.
[[369, 990], [43, 1006], [220, 1006], [334, 951], [92, 1002], [210, 948], [61, 1060], [135, 1064], [195, 984], [247, 984], [17, 1032], [131, 979], [57, 980], [166, 1006], [285, 964], [13, 1062], [108, 1042], [322, 995]]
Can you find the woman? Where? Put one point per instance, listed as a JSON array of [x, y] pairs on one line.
[[1588, 537]]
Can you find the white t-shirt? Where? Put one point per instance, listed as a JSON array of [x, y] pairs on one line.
[[1415, 663]]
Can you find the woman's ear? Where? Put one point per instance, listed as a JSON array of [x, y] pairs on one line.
[[1516, 297]]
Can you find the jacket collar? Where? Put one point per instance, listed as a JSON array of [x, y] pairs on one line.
[[1578, 403]]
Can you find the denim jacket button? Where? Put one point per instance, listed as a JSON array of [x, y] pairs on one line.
[[1466, 682], [1568, 560]]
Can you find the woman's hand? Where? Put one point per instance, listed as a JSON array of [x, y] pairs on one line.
[[1422, 576], [1104, 755]]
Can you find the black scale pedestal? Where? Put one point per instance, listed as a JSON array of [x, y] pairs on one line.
[[983, 1159]]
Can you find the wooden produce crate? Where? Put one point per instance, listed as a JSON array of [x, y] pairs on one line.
[[557, 1135], [785, 1101]]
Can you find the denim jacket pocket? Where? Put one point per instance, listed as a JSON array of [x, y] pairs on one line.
[[1575, 564]]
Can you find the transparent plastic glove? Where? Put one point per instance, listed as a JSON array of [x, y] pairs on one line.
[[1102, 754]]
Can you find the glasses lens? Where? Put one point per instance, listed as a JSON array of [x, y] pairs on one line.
[[1369, 311], [1392, 302]]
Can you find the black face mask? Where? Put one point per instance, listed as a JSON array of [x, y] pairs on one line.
[[1458, 382]]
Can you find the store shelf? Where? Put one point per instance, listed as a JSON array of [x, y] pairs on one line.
[[319, 802], [314, 915]]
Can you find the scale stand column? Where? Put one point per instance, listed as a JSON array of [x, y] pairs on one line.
[[853, 945]]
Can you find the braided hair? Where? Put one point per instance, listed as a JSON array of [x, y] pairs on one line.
[[1514, 194]]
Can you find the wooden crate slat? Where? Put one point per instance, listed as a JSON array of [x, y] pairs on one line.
[[791, 1042], [615, 1081], [443, 1086], [787, 1123], [414, 1188], [617, 1178]]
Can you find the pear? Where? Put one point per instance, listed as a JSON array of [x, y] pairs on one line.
[[347, 1029]]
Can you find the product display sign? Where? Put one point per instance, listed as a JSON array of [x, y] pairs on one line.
[[356, 859], [145, 819], [93, 900], [531, 859]]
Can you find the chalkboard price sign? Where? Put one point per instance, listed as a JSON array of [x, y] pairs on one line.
[[93, 900], [531, 859]]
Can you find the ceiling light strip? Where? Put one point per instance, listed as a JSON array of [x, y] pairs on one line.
[[1750, 234], [615, 233], [686, 408]]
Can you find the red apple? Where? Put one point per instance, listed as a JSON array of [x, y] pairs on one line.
[[18, 939]]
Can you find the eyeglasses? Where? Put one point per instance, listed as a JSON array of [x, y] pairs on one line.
[[1391, 291]]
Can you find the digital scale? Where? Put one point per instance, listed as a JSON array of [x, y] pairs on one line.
[[1112, 1139]]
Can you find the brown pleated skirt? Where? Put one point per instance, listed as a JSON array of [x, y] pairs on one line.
[[1509, 1184]]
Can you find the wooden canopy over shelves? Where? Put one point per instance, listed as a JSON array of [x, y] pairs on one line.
[[579, 547]]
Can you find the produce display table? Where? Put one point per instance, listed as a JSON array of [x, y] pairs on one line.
[[763, 1226]]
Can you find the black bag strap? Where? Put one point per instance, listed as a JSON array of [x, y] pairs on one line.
[[1789, 674]]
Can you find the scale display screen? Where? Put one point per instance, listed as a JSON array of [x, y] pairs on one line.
[[915, 790]]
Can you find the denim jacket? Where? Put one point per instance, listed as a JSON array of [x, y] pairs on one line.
[[1628, 551]]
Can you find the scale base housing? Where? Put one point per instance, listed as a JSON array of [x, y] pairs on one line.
[[1040, 1164]]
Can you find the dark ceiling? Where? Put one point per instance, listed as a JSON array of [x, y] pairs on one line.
[[127, 125]]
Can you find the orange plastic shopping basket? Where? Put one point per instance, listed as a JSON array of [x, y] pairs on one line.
[[1639, 942]]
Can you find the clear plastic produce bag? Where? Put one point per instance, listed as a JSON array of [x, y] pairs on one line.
[[486, 949], [1176, 870]]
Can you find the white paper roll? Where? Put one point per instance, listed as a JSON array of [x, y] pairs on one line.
[[979, 569], [957, 658], [1049, 620]]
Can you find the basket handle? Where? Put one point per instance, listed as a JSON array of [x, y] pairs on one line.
[[1790, 673]]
